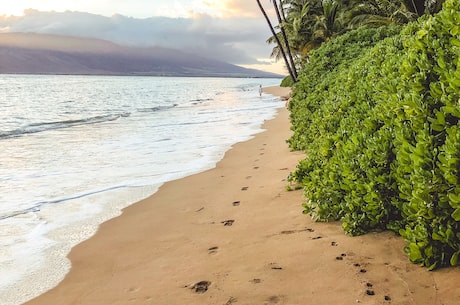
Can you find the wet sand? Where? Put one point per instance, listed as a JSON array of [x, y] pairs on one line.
[[235, 235]]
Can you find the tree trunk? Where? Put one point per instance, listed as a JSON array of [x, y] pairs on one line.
[[277, 40], [416, 6], [286, 42]]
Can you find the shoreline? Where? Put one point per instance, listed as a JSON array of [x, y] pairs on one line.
[[237, 232]]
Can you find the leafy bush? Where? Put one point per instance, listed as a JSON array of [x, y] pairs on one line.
[[379, 119], [287, 82]]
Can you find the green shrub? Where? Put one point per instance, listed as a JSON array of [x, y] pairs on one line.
[[287, 82], [379, 120]]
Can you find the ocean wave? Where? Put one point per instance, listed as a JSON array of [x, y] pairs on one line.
[[201, 101], [45, 126], [36, 207], [157, 108]]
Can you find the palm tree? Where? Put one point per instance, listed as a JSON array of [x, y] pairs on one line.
[[286, 41], [433, 6], [298, 24], [376, 13], [385, 12], [421, 7], [309, 23], [306, 24], [326, 24], [292, 37], [281, 48]]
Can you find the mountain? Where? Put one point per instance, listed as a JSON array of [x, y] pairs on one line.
[[30, 53]]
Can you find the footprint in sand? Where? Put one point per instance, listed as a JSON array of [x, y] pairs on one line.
[[287, 232], [274, 266], [133, 289], [213, 250], [231, 301], [228, 222], [370, 292], [201, 287], [273, 300]]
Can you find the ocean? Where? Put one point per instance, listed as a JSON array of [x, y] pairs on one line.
[[75, 150]]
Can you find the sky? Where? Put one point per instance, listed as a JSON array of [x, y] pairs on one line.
[[233, 31]]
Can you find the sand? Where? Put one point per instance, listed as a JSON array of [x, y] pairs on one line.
[[235, 235]]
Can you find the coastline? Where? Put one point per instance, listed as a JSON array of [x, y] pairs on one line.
[[236, 227]]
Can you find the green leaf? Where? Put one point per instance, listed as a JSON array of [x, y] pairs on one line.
[[436, 236], [433, 266], [421, 34], [441, 62], [455, 30], [414, 253], [454, 200], [455, 42], [454, 259], [456, 214]]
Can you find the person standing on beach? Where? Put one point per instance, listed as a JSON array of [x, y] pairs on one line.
[[260, 90]]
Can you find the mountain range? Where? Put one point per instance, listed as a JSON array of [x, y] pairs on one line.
[[31, 53]]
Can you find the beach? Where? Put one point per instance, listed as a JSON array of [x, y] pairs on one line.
[[234, 234]]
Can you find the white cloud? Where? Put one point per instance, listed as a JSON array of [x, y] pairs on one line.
[[234, 40]]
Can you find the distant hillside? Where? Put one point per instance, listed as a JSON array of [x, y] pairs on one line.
[[27, 53]]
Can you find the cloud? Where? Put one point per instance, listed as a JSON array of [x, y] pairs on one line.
[[237, 40], [234, 8]]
